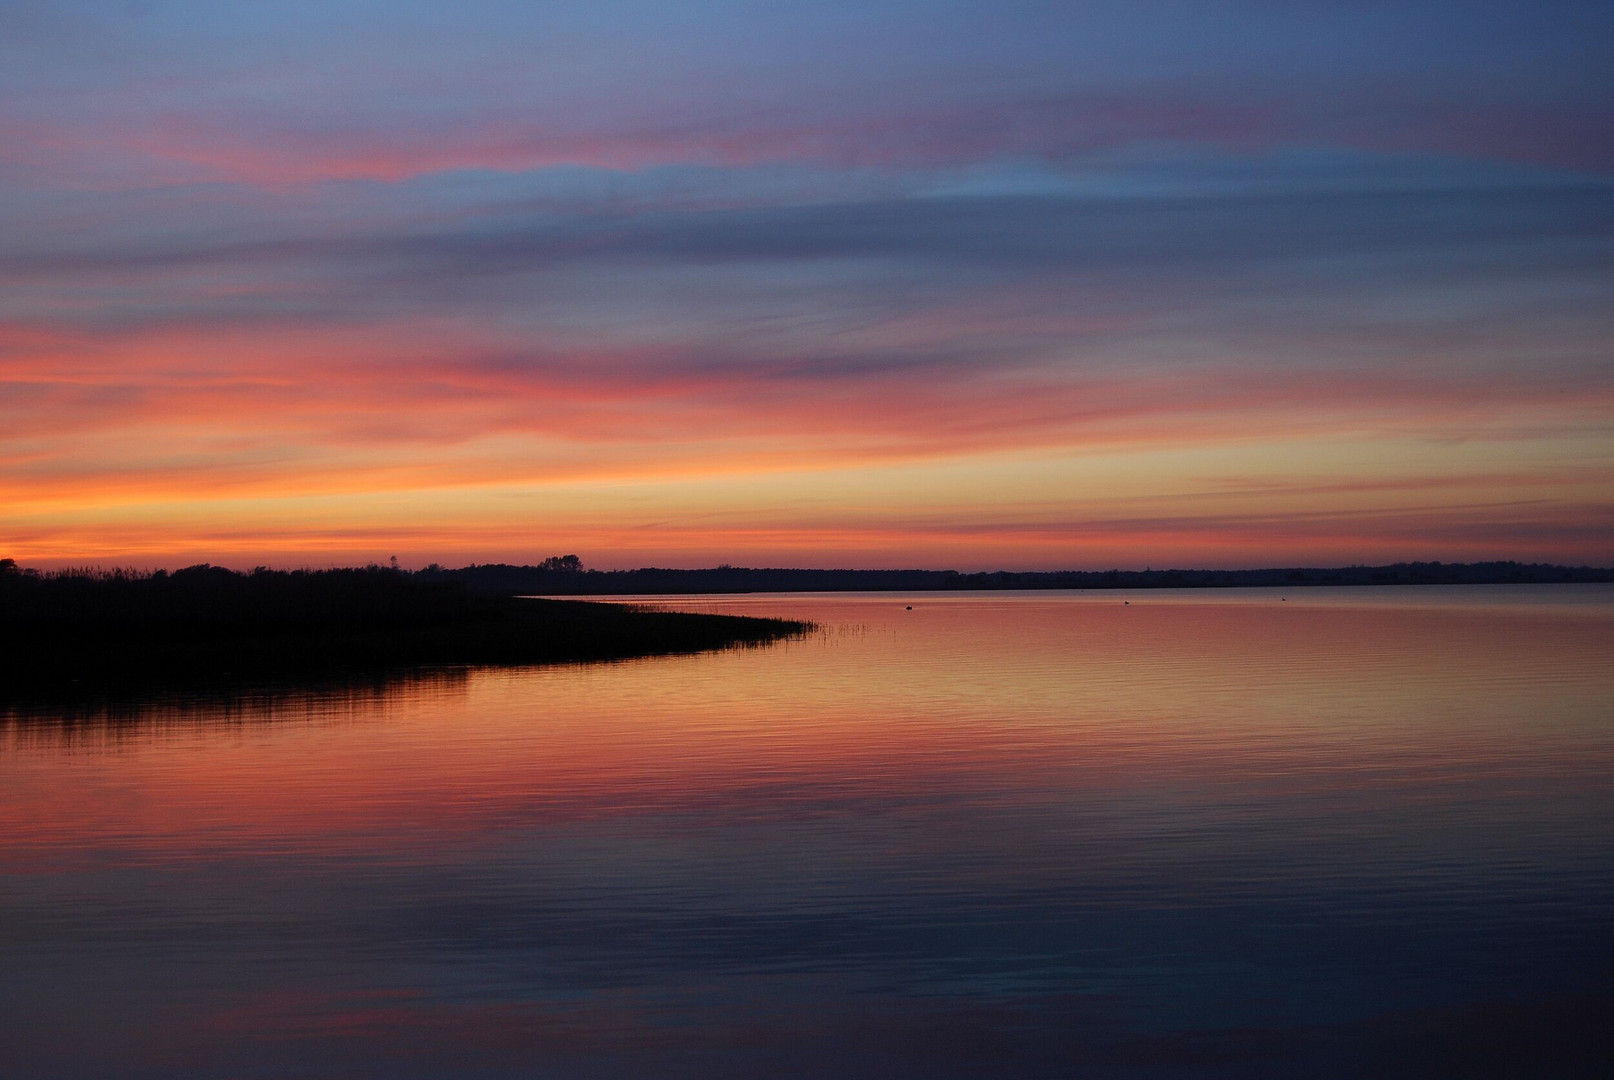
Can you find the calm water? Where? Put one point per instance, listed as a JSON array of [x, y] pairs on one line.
[[1365, 832]]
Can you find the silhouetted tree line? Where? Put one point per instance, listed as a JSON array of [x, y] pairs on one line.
[[207, 623], [218, 601]]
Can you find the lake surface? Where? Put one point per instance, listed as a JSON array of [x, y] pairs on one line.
[[1159, 834]]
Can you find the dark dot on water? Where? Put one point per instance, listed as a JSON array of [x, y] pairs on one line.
[[910, 607]]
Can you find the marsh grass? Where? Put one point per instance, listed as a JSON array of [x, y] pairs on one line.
[[207, 625]]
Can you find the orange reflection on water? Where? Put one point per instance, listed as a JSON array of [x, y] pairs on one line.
[[1141, 701]]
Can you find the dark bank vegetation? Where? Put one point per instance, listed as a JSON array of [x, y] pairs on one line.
[[564, 576], [209, 625]]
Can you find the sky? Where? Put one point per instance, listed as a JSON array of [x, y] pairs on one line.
[[916, 284]]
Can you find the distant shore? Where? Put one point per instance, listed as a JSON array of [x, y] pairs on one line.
[[571, 580], [208, 626]]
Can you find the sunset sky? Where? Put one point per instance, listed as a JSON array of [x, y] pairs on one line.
[[930, 284]]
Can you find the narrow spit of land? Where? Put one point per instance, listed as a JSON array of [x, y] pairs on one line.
[[206, 626]]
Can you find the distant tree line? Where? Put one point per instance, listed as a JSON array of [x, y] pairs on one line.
[[386, 592], [549, 578]]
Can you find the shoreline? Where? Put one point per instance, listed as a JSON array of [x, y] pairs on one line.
[[73, 636], [500, 578]]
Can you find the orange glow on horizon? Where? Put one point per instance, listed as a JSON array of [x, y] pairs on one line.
[[318, 446]]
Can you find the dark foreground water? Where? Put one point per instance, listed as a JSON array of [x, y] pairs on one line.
[[1348, 833]]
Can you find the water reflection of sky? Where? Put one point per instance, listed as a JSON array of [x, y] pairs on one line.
[[1176, 837]]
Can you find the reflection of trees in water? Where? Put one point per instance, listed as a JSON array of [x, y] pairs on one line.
[[111, 717]]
